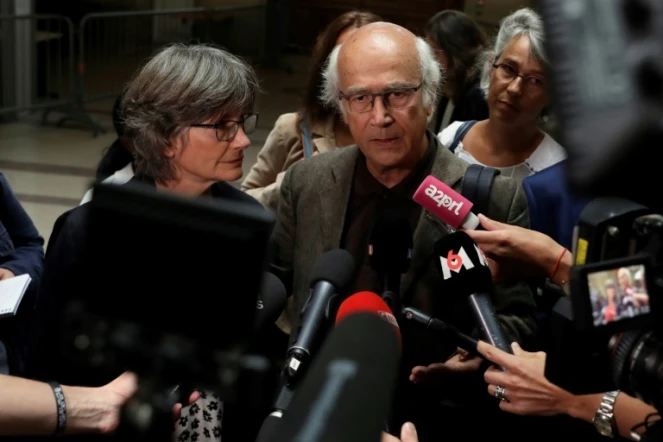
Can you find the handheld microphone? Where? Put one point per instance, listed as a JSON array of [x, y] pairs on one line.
[[460, 339], [359, 303], [464, 270], [446, 204], [349, 389], [331, 274], [390, 251], [367, 302], [271, 301]]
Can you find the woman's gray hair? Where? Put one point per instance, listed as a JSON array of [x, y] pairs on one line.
[[431, 76], [522, 22], [179, 86]]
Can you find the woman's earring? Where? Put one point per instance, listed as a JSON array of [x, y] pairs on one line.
[[545, 117]]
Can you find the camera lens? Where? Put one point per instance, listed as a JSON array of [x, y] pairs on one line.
[[637, 365]]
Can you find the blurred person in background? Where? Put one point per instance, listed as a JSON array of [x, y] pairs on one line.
[[515, 84], [316, 128], [458, 41], [188, 112], [21, 252], [118, 155], [116, 165]]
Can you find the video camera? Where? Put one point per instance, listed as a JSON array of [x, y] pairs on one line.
[[608, 334], [167, 288]]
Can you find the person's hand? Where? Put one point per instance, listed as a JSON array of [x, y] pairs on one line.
[[6, 274], [408, 434], [177, 408], [515, 249], [461, 362], [526, 389], [98, 409]]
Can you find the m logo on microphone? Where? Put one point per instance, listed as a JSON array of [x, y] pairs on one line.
[[454, 262], [443, 200]]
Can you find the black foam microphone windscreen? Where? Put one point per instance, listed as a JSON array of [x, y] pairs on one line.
[[331, 275], [465, 273], [271, 301], [349, 389]]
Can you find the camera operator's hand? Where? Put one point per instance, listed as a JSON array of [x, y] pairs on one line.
[[408, 434], [516, 251], [461, 362], [524, 385]]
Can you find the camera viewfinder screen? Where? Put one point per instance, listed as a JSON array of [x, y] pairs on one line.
[[618, 294]]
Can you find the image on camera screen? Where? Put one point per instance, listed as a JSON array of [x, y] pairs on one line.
[[618, 294]]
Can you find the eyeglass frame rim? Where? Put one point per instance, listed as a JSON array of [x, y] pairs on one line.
[[239, 123], [497, 65], [414, 89]]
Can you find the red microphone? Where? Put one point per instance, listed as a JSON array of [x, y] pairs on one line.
[[446, 204], [367, 302]]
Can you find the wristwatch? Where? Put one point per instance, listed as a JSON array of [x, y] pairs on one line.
[[604, 419]]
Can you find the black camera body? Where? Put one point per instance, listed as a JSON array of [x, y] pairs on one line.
[[606, 334]]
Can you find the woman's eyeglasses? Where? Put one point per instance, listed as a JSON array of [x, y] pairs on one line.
[[507, 73], [227, 129]]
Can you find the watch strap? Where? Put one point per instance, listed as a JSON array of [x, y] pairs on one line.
[[605, 413]]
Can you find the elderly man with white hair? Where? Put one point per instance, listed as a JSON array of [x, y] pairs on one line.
[[384, 81]]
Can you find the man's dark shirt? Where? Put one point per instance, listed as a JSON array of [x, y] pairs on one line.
[[368, 198]]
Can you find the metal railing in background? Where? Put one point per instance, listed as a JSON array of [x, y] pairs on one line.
[[44, 80], [104, 51], [113, 45]]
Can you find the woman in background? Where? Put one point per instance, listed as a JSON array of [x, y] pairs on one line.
[[116, 165], [458, 41], [118, 154], [314, 129], [516, 88]]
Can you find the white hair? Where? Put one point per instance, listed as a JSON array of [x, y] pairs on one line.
[[431, 76], [522, 22]]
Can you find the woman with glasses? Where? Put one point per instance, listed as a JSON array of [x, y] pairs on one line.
[[515, 84], [314, 129], [188, 112]]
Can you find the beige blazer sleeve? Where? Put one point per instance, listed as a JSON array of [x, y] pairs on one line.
[[282, 148]]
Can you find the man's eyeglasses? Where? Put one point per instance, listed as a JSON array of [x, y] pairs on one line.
[[227, 129], [395, 98], [507, 73]]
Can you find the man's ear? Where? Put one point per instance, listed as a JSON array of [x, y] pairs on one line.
[[344, 114], [429, 109]]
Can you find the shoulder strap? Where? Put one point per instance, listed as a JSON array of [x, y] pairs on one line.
[[460, 134], [477, 183], [306, 138]]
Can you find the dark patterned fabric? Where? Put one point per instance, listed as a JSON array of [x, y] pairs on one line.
[[201, 421]]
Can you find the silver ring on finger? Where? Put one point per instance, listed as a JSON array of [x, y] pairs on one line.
[[500, 393]]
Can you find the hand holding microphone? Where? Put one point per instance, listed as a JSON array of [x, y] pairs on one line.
[[516, 251]]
